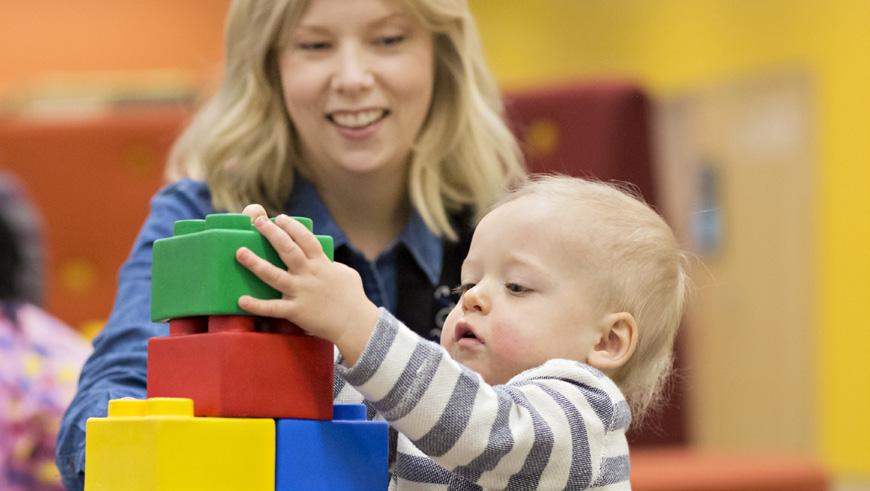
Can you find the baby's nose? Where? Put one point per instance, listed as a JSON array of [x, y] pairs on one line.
[[475, 300]]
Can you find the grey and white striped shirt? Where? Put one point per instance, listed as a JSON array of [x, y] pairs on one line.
[[557, 426]]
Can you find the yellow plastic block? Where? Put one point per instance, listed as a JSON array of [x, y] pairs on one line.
[[157, 444]]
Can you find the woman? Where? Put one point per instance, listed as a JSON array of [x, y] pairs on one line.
[[378, 119]]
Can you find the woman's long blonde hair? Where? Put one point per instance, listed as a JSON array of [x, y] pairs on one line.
[[243, 144]]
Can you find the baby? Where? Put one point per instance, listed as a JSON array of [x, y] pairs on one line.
[[571, 295]]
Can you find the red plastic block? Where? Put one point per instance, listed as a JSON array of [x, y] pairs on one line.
[[244, 374]]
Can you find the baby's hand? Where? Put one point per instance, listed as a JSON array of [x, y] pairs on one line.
[[254, 210], [322, 297]]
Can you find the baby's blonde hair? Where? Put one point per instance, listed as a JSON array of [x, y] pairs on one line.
[[244, 145], [637, 266]]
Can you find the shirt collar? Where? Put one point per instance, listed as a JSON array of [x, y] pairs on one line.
[[425, 247]]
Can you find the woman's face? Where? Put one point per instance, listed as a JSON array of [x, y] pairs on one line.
[[357, 79]]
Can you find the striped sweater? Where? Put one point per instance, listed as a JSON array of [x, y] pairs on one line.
[[560, 425]]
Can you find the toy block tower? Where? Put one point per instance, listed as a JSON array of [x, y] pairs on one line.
[[220, 362], [230, 363]]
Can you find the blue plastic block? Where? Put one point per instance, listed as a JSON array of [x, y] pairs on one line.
[[347, 453]]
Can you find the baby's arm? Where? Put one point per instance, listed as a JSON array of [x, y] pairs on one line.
[[549, 427], [552, 427]]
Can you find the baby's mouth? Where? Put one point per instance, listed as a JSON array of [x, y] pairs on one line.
[[357, 119], [465, 334]]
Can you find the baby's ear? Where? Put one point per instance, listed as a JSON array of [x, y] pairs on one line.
[[617, 343]]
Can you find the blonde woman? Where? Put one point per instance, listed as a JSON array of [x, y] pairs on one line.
[[376, 118]]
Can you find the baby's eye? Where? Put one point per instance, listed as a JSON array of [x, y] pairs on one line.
[[390, 40], [461, 289], [516, 288]]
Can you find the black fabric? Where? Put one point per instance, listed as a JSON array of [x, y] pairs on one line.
[[422, 306], [10, 261]]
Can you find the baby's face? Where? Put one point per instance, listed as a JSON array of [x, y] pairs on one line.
[[525, 297]]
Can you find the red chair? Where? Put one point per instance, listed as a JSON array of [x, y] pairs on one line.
[[600, 130]]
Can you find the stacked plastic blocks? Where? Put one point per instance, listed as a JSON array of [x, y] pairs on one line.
[[235, 401]]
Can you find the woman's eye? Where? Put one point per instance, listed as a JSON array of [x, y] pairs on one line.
[[461, 289], [314, 46], [390, 40], [516, 288]]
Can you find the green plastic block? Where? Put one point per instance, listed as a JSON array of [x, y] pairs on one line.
[[195, 271]]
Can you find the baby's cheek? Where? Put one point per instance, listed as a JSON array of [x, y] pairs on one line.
[[449, 326], [510, 344]]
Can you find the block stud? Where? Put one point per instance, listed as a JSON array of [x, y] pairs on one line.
[[183, 227], [188, 325], [169, 406], [349, 412], [126, 407], [231, 323], [234, 221]]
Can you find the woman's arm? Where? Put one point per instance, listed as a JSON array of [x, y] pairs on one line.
[[118, 366]]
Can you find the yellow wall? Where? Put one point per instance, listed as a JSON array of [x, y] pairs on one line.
[[676, 45]]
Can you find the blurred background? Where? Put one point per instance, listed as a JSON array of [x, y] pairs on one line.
[[759, 144]]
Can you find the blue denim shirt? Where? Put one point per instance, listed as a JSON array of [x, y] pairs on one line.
[[118, 366]]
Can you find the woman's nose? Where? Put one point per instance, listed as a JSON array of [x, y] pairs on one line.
[[352, 73], [475, 300]]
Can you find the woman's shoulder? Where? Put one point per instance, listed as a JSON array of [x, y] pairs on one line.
[[186, 188], [184, 198], [179, 200]]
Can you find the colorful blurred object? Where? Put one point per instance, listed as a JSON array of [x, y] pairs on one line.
[[40, 356]]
